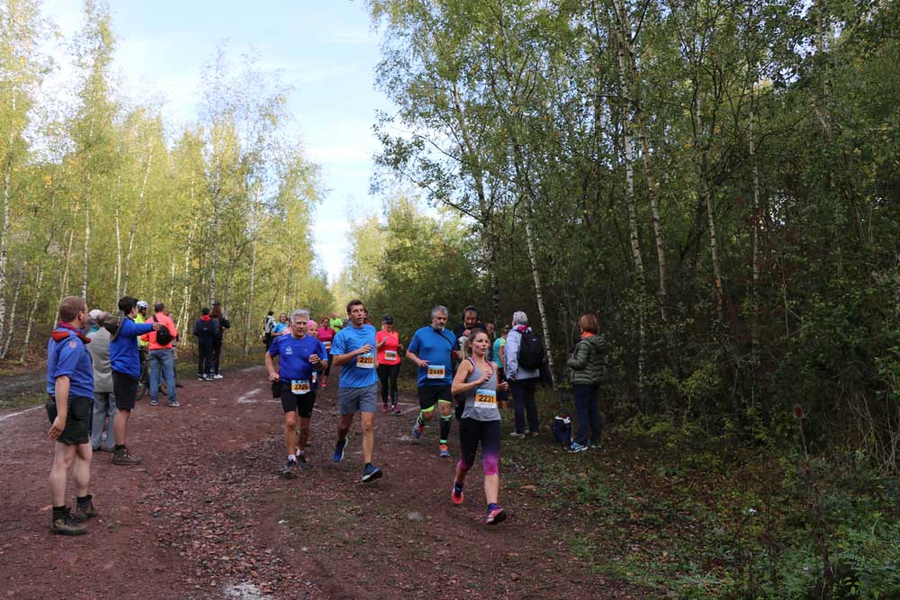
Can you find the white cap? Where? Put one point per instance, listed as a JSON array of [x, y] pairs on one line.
[[95, 313]]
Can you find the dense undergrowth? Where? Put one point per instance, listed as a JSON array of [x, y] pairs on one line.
[[690, 515]]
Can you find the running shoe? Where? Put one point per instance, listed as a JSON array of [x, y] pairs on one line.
[[289, 470], [534, 433], [301, 460], [154, 402], [201, 378], [65, 525], [457, 495], [84, 510], [370, 473], [443, 451], [174, 404], [396, 410], [384, 407], [217, 376], [339, 450], [494, 516], [576, 447], [594, 446], [516, 434], [417, 430]]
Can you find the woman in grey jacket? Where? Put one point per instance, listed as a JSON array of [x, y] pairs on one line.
[[586, 366]]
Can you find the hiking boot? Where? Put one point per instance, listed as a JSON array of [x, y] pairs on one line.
[[174, 404], [494, 516], [576, 447], [396, 410], [125, 457], [370, 473], [457, 495], [443, 451], [289, 471], [84, 511], [301, 460], [516, 434], [417, 430], [63, 524], [339, 450]]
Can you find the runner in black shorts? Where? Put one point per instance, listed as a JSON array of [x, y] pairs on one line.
[[433, 349], [300, 358]]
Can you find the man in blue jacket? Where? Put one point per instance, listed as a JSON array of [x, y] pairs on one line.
[[70, 385], [125, 360]]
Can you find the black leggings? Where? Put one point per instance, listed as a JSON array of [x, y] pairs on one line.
[[471, 433], [216, 354], [388, 374]]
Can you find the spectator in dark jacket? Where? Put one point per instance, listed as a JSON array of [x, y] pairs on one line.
[[206, 330], [222, 323], [586, 367]]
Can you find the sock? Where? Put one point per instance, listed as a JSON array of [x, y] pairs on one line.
[[493, 506], [120, 447], [291, 458], [445, 427], [420, 420], [457, 487], [82, 500], [59, 511]]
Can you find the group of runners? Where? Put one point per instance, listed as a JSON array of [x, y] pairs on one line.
[[448, 366]]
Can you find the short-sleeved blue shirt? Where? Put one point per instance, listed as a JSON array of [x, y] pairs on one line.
[[293, 356], [347, 340], [70, 357], [435, 347]]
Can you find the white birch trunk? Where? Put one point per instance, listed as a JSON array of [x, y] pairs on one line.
[[250, 303], [134, 224], [4, 228], [34, 306], [537, 289], [12, 316], [118, 239], [64, 281]]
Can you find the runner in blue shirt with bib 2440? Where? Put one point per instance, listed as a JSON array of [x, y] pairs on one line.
[[300, 358], [433, 349]]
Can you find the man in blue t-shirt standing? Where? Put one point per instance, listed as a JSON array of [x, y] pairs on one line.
[[70, 385], [300, 358], [353, 350], [433, 349], [125, 360]]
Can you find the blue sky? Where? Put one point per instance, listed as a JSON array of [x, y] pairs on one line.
[[325, 50]]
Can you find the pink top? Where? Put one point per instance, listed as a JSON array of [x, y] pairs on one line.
[[326, 336]]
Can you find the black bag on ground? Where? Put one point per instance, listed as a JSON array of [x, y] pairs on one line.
[[531, 350], [562, 429]]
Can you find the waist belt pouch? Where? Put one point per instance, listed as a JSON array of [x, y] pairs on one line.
[[50, 407]]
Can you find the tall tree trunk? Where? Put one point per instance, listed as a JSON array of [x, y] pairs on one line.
[[35, 301], [118, 239], [64, 281], [12, 315], [137, 219], [5, 226], [186, 290], [250, 303], [757, 218], [86, 250], [536, 276], [626, 40]]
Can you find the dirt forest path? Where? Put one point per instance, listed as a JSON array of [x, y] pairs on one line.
[[206, 515]]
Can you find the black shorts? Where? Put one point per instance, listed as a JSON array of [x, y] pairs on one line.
[[78, 420], [125, 388], [430, 394], [302, 403]]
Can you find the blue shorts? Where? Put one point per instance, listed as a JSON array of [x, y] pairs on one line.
[[353, 400]]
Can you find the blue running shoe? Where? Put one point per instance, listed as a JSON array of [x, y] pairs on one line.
[[576, 447], [495, 515], [417, 430], [339, 450], [370, 473]]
